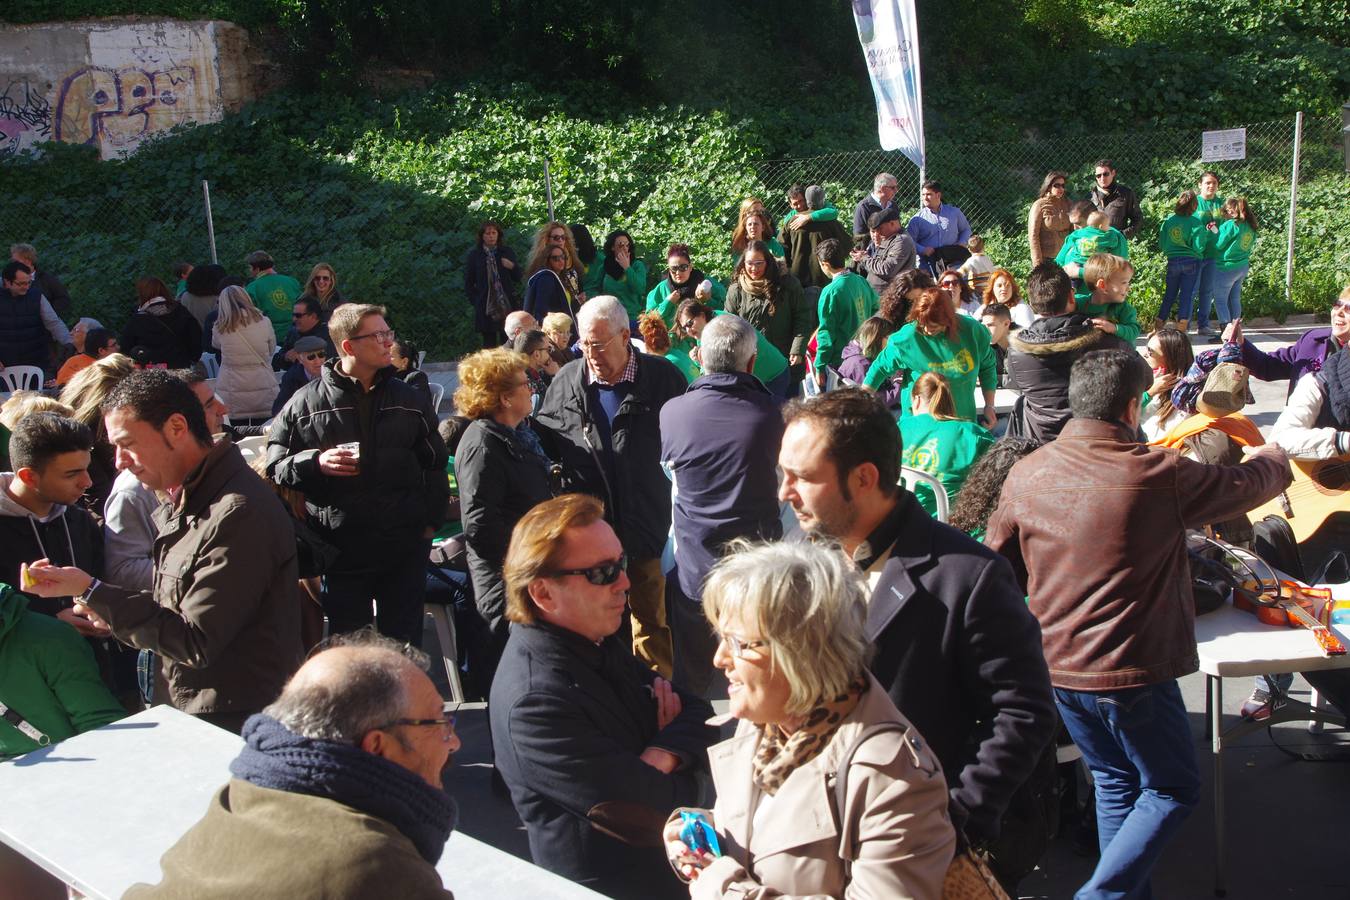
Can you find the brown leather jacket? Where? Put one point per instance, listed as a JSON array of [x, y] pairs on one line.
[[1094, 525]]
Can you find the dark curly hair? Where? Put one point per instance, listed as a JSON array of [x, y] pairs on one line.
[[894, 304], [979, 494]]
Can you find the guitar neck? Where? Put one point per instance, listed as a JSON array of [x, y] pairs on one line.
[[1326, 639]]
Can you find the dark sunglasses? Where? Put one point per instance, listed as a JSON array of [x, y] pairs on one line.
[[317, 354], [600, 573], [680, 268]]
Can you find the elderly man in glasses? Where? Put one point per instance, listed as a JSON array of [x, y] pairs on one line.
[[363, 448], [306, 322], [596, 749], [337, 791]]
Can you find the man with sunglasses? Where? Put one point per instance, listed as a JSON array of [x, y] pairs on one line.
[[592, 744], [306, 322], [337, 791], [310, 354], [1115, 199], [363, 448]]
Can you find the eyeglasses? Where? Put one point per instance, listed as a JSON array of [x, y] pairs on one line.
[[1342, 305], [951, 282], [756, 263], [600, 573], [738, 646], [323, 278], [317, 354], [1101, 174], [383, 336], [593, 347], [556, 257], [686, 324], [447, 722], [680, 268]]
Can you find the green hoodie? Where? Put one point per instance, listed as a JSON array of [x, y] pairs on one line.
[[964, 364], [631, 289], [1183, 237], [945, 448], [1234, 244], [1207, 211], [658, 299], [1124, 315], [845, 303], [49, 676], [1086, 243]]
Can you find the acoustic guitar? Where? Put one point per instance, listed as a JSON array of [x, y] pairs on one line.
[[1320, 487]]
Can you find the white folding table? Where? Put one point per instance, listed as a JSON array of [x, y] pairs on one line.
[[1233, 643], [98, 810]]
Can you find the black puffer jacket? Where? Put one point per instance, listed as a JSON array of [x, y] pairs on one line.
[[1040, 360], [163, 332], [401, 488], [637, 494]]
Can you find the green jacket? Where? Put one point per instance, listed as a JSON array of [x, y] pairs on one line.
[[48, 675], [679, 355], [275, 295], [1124, 315], [769, 363], [845, 303], [1234, 244], [658, 299], [1182, 237], [263, 842], [969, 360], [631, 289], [1207, 211], [824, 214], [787, 324], [1083, 244], [945, 448]]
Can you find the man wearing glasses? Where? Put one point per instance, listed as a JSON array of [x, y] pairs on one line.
[[362, 446], [592, 744], [605, 410], [1116, 200], [26, 320], [337, 790], [306, 322]]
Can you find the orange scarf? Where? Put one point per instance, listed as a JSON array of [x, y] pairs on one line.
[[1235, 425]]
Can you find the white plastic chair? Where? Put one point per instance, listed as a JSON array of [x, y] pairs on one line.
[[210, 365], [909, 477], [437, 394], [21, 378], [421, 358]]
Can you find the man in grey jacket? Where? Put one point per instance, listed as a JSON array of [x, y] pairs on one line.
[[223, 613], [892, 253]]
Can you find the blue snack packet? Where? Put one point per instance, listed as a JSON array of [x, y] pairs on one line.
[[698, 834]]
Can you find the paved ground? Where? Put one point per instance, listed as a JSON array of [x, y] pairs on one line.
[[1283, 816]]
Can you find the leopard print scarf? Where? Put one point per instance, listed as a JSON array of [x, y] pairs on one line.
[[780, 754]]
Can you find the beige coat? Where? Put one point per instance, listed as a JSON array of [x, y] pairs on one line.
[[246, 382], [894, 827], [1047, 227]]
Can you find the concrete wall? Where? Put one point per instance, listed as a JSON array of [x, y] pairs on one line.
[[111, 83]]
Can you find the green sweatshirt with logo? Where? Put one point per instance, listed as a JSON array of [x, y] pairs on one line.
[[1183, 237], [1234, 244], [1207, 211], [1085, 243], [967, 363], [944, 448]]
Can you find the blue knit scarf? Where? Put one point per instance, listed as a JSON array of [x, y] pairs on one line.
[[278, 758]]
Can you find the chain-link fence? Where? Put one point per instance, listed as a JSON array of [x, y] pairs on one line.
[[402, 243]]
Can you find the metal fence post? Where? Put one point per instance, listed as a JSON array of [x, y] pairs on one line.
[[548, 192], [210, 223], [1293, 208]]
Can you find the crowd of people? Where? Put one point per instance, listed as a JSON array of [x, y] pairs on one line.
[[651, 497]]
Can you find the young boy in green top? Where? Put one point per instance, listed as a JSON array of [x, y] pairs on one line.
[[1108, 277], [1097, 236], [845, 303]]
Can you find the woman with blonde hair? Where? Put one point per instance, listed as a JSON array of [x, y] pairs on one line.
[[755, 225], [559, 328], [826, 789], [502, 473], [84, 394], [555, 274], [936, 339], [937, 441], [322, 287], [246, 339]]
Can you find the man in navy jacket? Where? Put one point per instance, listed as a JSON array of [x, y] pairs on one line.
[[720, 441]]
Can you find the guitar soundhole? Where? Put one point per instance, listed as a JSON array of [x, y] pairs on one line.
[[1331, 477]]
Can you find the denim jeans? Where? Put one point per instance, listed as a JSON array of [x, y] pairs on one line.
[[1137, 744], [1182, 275], [1204, 292], [1228, 293]]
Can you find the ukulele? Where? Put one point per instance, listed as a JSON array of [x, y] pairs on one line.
[[1320, 487], [1293, 606]]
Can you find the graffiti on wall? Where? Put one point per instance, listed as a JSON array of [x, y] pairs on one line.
[[116, 109], [25, 116]]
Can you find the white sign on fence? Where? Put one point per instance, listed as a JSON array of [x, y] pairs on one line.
[[1220, 145]]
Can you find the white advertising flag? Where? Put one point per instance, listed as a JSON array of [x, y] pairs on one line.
[[889, 33]]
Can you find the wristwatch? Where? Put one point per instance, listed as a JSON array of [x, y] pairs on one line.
[[83, 599]]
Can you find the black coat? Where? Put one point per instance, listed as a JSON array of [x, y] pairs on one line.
[[476, 285], [635, 489], [498, 483], [172, 338], [72, 538], [960, 655], [569, 721], [1039, 359], [401, 488]]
